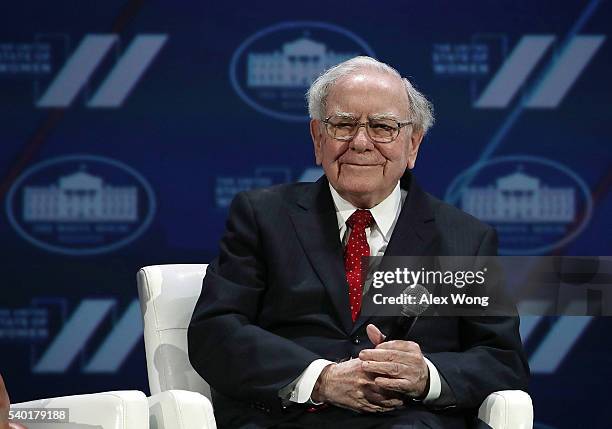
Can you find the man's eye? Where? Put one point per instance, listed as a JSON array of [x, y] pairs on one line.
[[344, 125], [383, 127]]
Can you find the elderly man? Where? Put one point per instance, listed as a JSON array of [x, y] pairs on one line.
[[277, 331]]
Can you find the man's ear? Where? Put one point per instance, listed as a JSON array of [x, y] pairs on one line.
[[416, 137], [317, 139]]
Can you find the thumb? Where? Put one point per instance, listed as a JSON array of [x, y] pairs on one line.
[[374, 334]]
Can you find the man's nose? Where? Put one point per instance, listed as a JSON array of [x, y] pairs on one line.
[[361, 142]]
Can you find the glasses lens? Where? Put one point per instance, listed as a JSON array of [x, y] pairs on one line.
[[383, 130], [341, 128]]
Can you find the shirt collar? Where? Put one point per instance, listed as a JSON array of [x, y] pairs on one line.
[[384, 213]]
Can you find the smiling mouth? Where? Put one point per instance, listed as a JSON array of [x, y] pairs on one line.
[[360, 165]]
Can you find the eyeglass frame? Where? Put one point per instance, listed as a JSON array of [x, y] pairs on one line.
[[400, 125]]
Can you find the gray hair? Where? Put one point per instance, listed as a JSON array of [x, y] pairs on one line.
[[421, 109]]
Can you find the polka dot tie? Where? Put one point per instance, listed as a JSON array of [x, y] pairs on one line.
[[356, 247]]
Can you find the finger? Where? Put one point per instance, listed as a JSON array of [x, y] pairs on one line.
[[393, 403], [374, 334], [381, 355], [401, 345], [392, 369], [373, 408], [388, 394], [365, 403], [384, 401], [395, 384]]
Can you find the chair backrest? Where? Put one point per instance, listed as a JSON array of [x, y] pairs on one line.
[[168, 295]]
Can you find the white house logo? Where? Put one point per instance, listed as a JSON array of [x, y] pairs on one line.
[[272, 69], [520, 198], [80, 205], [535, 204]]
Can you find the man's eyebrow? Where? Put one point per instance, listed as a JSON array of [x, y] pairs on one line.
[[374, 116], [345, 115], [386, 115]]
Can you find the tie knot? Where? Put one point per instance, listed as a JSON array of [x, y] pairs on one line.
[[361, 218]]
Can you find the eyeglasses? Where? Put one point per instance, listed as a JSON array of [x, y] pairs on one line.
[[379, 130]]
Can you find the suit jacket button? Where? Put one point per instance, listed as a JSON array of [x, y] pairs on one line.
[[356, 340]]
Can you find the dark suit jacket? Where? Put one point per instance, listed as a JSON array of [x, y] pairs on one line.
[[276, 299]]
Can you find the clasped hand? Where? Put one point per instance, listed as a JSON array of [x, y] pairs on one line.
[[379, 380]]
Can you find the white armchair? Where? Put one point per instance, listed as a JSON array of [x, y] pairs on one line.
[[108, 410], [181, 398]]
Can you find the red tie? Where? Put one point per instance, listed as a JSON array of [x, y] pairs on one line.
[[356, 247]]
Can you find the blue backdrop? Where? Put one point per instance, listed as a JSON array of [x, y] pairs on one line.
[[128, 126]]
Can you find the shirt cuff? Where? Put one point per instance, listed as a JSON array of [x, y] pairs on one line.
[[435, 385], [305, 383]]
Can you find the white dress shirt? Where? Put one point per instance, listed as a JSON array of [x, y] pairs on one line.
[[378, 235]]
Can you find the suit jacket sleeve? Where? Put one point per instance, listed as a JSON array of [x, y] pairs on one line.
[[492, 356], [226, 346]]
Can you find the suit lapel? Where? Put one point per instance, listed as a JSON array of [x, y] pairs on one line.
[[316, 225], [415, 232]]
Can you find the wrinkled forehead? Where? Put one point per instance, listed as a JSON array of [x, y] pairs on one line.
[[367, 93]]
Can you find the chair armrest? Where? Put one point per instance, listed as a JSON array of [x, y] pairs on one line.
[[107, 410], [181, 409], [507, 409]]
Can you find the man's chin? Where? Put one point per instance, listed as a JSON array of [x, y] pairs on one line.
[[359, 186], [360, 175]]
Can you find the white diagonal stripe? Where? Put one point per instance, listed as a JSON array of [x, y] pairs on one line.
[[74, 335], [77, 70], [566, 70], [530, 316], [128, 71], [514, 71], [558, 343], [527, 326], [120, 342]]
